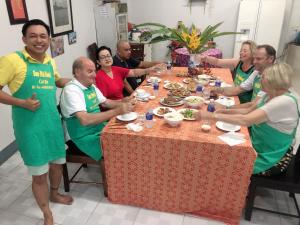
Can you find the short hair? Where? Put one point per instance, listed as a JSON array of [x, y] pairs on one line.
[[252, 46], [77, 64], [101, 49], [32, 23], [120, 43], [279, 76], [269, 49]]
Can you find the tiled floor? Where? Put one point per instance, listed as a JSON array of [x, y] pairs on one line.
[[17, 206]]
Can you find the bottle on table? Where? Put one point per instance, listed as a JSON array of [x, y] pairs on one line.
[[199, 89], [211, 106], [169, 65], [149, 119], [155, 88]]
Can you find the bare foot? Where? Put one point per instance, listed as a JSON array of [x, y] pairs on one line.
[[62, 199], [48, 219]]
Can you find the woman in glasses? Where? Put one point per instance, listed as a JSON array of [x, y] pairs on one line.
[[110, 79]]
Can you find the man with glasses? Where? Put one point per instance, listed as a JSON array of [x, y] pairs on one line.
[[123, 59]]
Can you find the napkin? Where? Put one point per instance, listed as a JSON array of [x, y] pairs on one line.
[[232, 138], [136, 127]]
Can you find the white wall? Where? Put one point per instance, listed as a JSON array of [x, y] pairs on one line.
[[84, 25], [169, 12]]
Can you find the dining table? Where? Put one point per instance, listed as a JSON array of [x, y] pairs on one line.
[[178, 169]]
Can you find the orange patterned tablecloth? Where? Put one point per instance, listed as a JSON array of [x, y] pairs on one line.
[[180, 170]]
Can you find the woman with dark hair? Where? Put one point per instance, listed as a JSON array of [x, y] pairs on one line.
[[110, 79]]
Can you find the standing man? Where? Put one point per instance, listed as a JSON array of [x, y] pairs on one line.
[[123, 59], [32, 78], [264, 57]]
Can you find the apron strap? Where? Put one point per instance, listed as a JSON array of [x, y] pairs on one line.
[[296, 102]]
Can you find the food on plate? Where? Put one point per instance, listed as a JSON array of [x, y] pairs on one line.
[[171, 100], [163, 110], [182, 75], [192, 86], [188, 113], [194, 101], [180, 92], [172, 86]]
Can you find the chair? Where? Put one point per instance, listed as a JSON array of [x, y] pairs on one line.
[[75, 155], [288, 181], [92, 52]]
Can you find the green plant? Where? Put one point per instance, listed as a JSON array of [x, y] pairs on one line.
[[194, 40]]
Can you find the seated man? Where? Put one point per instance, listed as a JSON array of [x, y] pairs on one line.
[[123, 59], [80, 102], [264, 57]]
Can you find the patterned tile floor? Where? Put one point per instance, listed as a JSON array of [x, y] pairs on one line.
[[17, 205]]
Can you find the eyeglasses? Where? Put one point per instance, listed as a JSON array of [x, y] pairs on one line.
[[104, 57]]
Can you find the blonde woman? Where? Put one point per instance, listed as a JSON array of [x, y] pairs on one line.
[[242, 67], [272, 128]]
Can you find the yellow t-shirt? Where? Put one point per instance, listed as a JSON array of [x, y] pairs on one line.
[[13, 70]]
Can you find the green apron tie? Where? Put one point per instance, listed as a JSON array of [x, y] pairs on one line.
[[256, 86]]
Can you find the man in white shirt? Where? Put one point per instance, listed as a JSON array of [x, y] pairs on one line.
[[264, 56], [80, 102]]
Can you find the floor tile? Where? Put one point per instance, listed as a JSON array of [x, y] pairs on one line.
[[151, 217], [289, 220], [107, 213], [265, 198], [191, 220], [9, 218], [11, 189], [285, 203], [75, 214], [14, 161], [265, 218]]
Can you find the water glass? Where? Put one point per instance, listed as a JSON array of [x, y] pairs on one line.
[[206, 94]]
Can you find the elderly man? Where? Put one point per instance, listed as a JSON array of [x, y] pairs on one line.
[[264, 57], [80, 102], [123, 59], [32, 78]]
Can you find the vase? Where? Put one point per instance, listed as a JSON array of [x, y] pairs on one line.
[[195, 59]]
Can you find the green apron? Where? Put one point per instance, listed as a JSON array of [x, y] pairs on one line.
[[39, 134], [270, 144], [87, 138], [256, 86], [241, 76]]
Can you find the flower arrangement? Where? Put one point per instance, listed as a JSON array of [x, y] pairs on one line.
[[194, 40]]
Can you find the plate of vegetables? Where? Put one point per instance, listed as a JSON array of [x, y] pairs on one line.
[[188, 114]]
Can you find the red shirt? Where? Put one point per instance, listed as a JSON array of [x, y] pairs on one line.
[[112, 88]]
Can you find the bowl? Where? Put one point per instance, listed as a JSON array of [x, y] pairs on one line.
[[194, 101], [203, 82], [140, 92], [173, 118]]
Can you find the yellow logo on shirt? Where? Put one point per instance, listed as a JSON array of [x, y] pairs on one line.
[[92, 95], [41, 74]]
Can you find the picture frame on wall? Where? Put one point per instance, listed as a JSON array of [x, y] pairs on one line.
[[60, 17], [17, 11], [57, 46], [72, 38]]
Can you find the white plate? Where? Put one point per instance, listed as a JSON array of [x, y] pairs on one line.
[[145, 95], [227, 126], [128, 116], [167, 85], [161, 101], [186, 118], [152, 79], [186, 80], [155, 111], [226, 101], [204, 76]]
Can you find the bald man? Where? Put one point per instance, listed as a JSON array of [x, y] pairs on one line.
[[123, 59], [80, 102]]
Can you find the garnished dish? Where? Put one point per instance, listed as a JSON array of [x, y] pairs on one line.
[[171, 101], [161, 111], [180, 92], [182, 75], [188, 114], [172, 86], [194, 101]]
